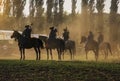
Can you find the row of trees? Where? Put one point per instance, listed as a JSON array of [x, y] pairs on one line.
[[55, 15]]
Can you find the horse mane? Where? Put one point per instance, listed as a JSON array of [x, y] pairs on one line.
[[19, 32]]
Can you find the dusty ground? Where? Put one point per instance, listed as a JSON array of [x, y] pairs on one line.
[[9, 50]]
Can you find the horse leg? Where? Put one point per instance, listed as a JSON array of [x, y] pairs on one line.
[[60, 53], [109, 48], [86, 54], [36, 53], [64, 51], [96, 54], [105, 52], [47, 53], [23, 53], [39, 53], [59, 57], [20, 53], [73, 52], [70, 53], [51, 54], [63, 55]]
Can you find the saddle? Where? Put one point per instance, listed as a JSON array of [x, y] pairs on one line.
[[26, 40]]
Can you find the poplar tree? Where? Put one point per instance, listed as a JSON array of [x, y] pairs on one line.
[[91, 9], [84, 16], [6, 8], [61, 2], [49, 11], [32, 9], [55, 12], [100, 21], [113, 20], [73, 7], [39, 13]]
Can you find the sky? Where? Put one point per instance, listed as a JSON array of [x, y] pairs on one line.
[[67, 6]]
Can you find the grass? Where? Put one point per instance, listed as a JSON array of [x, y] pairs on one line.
[[14, 70]]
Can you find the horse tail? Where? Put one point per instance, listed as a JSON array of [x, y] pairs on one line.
[[41, 43], [109, 48]]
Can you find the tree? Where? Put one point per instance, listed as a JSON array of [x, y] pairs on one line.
[[39, 8], [91, 9], [84, 16], [18, 7], [39, 12], [16, 11], [55, 12], [113, 20], [49, 11], [32, 10], [100, 7], [73, 7], [7, 8], [61, 2]]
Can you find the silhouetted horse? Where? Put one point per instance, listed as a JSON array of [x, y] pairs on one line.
[[105, 47], [53, 44], [27, 43], [70, 45], [90, 46]]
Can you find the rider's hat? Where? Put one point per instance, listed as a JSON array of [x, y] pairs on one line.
[[52, 27], [65, 29], [26, 26], [90, 31]]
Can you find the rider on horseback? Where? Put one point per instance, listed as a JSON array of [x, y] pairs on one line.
[[52, 37], [66, 34], [90, 39], [27, 32], [100, 38], [90, 36], [53, 33]]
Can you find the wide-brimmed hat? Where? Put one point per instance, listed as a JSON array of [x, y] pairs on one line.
[[52, 27], [90, 31], [26, 26], [65, 29]]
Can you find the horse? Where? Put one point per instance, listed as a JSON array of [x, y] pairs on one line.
[[27, 43], [105, 47], [70, 45], [53, 44], [90, 46]]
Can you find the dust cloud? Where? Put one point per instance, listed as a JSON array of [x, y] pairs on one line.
[[78, 26]]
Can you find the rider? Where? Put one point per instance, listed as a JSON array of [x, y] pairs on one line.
[[90, 36], [27, 31], [66, 34], [100, 37], [53, 33]]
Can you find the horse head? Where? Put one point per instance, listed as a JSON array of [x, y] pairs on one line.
[[83, 39], [15, 34]]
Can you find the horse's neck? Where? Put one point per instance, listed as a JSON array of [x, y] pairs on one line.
[[20, 38]]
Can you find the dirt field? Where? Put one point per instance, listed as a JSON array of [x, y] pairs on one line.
[[9, 50]]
